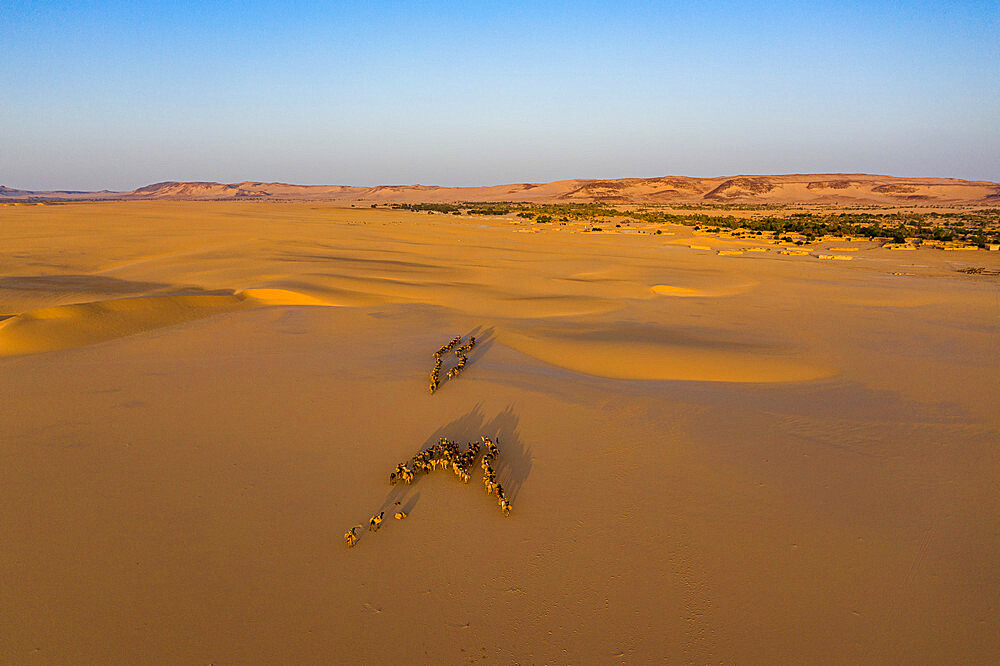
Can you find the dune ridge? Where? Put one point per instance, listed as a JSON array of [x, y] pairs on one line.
[[81, 324], [660, 354], [706, 291]]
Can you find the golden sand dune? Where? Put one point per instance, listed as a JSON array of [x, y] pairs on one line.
[[65, 326], [638, 353], [299, 293], [670, 290], [707, 291], [87, 323], [182, 461]]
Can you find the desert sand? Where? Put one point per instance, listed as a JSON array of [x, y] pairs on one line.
[[749, 457]]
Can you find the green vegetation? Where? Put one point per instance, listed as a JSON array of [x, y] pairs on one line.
[[977, 227], [435, 207]]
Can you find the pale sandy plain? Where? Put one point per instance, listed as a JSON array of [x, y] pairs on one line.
[[748, 458]]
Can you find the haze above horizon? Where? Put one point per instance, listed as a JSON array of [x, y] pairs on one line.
[[116, 95]]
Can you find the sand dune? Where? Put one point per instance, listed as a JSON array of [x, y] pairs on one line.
[[65, 326], [80, 324], [707, 291], [635, 353], [670, 290], [199, 398], [780, 189]]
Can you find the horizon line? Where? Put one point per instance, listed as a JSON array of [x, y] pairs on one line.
[[503, 184]]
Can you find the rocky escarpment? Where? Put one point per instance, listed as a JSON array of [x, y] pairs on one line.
[[830, 189]]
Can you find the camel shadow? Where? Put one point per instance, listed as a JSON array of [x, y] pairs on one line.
[[411, 502], [485, 337], [513, 466], [400, 501]]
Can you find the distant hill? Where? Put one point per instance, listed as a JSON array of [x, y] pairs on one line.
[[783, 189]]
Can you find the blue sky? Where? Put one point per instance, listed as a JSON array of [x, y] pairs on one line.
[[119, 95]]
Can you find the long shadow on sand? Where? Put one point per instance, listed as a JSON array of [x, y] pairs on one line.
[[513, 467], [485, 337], [78, 283]]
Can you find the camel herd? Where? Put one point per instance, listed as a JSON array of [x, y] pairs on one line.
[[444, 455], [460, 352]]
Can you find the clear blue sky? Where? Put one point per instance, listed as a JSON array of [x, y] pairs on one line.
[[117, 95]]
